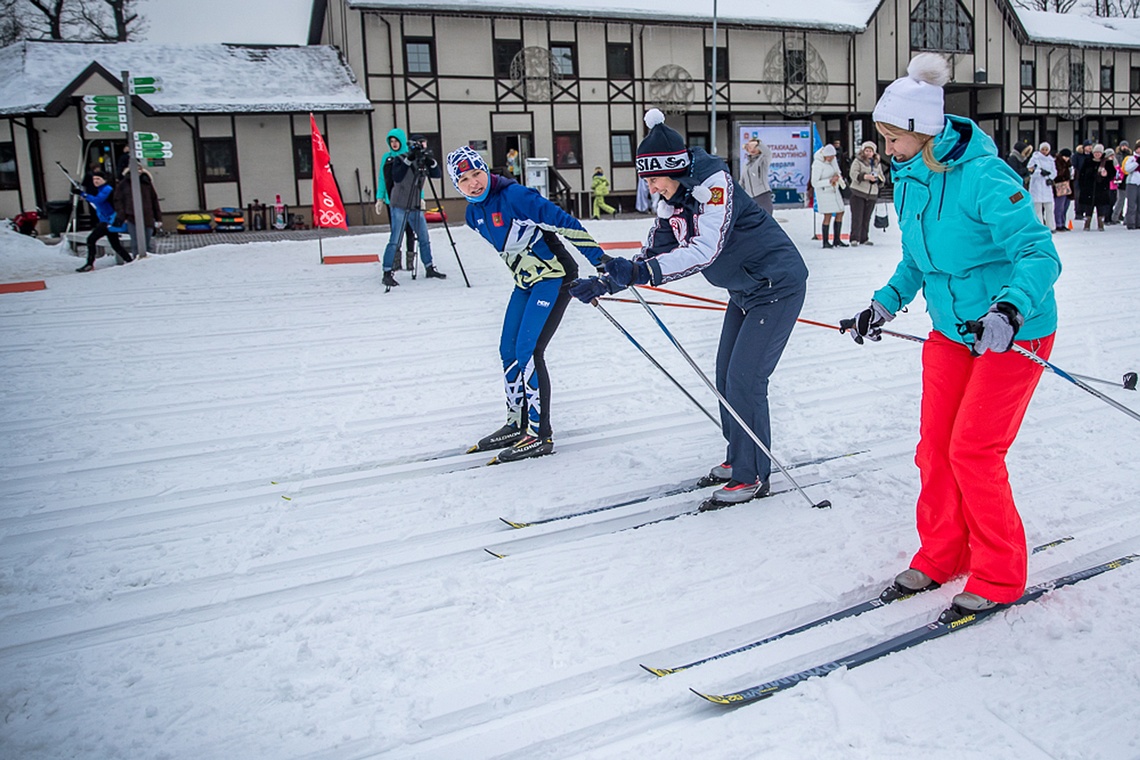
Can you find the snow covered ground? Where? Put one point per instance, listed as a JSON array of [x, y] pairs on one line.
[[236, 522]]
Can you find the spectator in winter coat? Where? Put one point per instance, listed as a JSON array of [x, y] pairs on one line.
[[754, 173], [1122, 154], [1063, 189], [100, 200], [866, 179], [123, 199], [1132, 191], [523, 227], [1095, 175], [972, 245], [397, 146], [1042, 173], [600, 188], [827, 181], [707, 223], [1017, 159]]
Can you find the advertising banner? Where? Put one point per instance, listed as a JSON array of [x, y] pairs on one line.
[[790, 147]]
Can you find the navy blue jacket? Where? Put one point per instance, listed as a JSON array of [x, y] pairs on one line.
[[733, 242]]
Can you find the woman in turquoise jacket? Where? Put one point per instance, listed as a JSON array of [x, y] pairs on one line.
[[986, 267], [397, 146]]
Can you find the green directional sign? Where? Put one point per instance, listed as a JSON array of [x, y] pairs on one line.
[[146, 145], [106, 128], [146, 80], [103, 99], [141, 154], [106, 118], [146, 136], [90, 108], [145, 90]]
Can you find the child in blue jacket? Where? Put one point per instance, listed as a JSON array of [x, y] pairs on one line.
[[523, 227], [100, 200]]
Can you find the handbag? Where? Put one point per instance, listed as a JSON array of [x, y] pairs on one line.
[[882, 221], [1062, 189]]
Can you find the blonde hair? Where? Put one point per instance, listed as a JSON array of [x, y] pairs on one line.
[[932, 163]]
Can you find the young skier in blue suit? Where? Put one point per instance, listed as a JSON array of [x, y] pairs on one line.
[[523, 227]]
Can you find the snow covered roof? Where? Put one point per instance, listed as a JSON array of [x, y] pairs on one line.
[[1079, 30], [829, 15], [39, 77]]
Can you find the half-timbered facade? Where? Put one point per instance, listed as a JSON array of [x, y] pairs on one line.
[[569, 80]]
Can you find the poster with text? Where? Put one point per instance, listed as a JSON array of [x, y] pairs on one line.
[[790, 149]]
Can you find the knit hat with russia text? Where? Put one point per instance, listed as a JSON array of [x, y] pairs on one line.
[[663, 152], [915, 102]]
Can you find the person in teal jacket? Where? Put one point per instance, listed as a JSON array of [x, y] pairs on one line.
[[986, 267], [397, 146]]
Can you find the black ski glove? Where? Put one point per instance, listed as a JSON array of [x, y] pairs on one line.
[[624, 272], [995, 330], [867, 323]]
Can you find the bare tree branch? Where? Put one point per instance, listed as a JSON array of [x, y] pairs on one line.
[[1051, 6]]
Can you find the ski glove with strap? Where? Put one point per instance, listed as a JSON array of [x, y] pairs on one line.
[[995, 330], [867, 323], [587, 289], [624, 272]]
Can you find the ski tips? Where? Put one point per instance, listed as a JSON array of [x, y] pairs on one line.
[[718, 699], [495, 555], [660, 672], [494, 460], [473, 449], [515, 524]]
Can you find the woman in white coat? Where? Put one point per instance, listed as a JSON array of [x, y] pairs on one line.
[[827, 181], [1042, 172]]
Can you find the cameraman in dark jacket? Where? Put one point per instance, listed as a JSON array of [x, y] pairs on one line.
[[404, 177]]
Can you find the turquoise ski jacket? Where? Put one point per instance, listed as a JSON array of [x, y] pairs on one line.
[[970, 238]]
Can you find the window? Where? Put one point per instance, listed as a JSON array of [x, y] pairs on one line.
[[567, 150], [621, 148], [721, 64], [699, 140], [1134, 79], [619, 60], [941, 25], [419, 56], [219, 159], [795, 66], [303, 156], [1076, 77], [1107, 79], [505, 52], [565, 58], [1028, 75], [9, 178]]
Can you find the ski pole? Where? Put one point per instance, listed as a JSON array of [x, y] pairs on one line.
[[1129, 378], [654, 362], [727, 406]]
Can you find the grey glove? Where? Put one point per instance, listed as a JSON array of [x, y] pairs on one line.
[[867, 323], [996, 329]]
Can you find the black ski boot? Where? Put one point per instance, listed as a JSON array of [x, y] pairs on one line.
[[505, 436], [526, 447], [430, 271], [389, 281]]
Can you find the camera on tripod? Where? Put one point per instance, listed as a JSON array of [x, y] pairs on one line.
[[420, 157]]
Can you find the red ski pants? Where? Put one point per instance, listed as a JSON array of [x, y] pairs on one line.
[[972, 408]]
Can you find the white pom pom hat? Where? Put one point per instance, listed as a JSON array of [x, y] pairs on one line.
[[915, 102], [663, 152]]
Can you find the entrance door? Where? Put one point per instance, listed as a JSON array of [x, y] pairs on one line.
[[509, 152]]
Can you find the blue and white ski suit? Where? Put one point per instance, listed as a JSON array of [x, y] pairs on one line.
[[523, 227]]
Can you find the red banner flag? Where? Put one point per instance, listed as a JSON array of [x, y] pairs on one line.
[[328, 210]]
